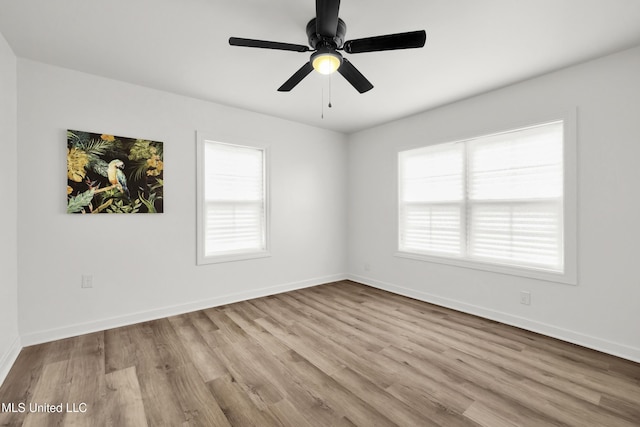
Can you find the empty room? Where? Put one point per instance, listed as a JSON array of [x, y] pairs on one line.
[[410, 213]]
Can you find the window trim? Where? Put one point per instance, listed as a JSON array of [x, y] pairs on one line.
[[201, 259], [570, 217]]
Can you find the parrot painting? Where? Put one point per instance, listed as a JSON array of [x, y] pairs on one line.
[[113, 174], [116, 176]]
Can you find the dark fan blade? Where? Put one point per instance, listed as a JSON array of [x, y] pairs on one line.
[[296, 78], [354, 76], [235, 41], [409, 40], [327, 17]]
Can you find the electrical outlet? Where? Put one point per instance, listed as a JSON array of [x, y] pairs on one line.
[[525, 297], [87, 281]]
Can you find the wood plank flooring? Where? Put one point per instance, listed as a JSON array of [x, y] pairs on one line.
[[340, 354]]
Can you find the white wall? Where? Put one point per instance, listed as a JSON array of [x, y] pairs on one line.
[[9, 341], [602, 311], [144, 266]]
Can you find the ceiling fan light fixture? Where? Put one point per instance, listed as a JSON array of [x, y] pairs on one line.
[[326, 61]]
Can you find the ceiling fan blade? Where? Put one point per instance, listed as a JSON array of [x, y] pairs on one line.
[[327, 17], [236, 41], [296, 78], [354, 76], [410, 40]]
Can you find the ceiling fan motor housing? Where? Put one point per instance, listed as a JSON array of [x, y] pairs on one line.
[[318, 40]]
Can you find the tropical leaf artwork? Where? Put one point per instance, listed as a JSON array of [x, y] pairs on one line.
[[113, 174]]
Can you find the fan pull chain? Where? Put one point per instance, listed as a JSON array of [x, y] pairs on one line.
[[329, 96], [329, 90]]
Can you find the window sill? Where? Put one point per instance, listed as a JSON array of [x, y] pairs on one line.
[[550, 276], [217, 259]]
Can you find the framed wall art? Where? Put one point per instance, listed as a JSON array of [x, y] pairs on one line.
[[113, 174]]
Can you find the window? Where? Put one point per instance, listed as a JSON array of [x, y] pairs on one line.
[[496, 200], [232, 201]]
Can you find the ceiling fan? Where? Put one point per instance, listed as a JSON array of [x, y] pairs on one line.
[[326, 34]]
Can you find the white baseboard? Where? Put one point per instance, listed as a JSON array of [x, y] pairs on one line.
[[595, 343], [130, 319], [8, 358]]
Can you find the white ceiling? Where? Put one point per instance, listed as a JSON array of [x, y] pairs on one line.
[[181, 46]]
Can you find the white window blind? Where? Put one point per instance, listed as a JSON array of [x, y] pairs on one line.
[[494, 199], [234, 199], [432, 199]]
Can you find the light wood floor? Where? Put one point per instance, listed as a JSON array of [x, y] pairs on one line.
[[341, 354]]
